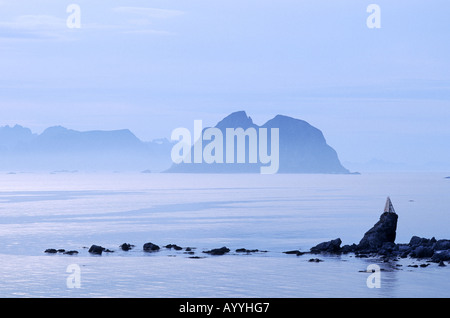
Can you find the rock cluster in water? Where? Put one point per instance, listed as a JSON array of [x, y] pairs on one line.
[[151, 247], [379, 241]]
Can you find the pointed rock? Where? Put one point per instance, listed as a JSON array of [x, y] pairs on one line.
[[383, 231], [389, 207]]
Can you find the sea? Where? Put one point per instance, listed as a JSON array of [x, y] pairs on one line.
[[268, 213]]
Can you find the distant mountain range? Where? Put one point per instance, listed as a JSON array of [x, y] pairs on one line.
[[302, 149], [59, 148]]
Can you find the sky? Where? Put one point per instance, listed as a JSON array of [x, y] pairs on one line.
[[377, 94]]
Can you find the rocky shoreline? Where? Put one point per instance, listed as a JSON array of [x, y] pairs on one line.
[[378, 242]]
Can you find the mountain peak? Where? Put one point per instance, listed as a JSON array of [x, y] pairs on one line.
[[302, 148], [280, 119], [55, 130], [236, 119], [13, 135]]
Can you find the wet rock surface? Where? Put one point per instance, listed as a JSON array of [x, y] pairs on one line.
[[150, 247], [126, 246], [384, 231], [295, 252], [218, 251], [96, 249], [379, 241], [333, 246]]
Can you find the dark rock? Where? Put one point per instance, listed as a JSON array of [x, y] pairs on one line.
[[415, 241], [424, 265], [404, 254], [421, 241], [442, 245], [403, 248], [96, 249], [389, 246], [383, 231], [387, 249], [107, 250], [61, 250], [348, 248], [70, 252], [315, 260], [218, 251], [296, 252], [247, 251], [126, 246], [333, 246], [440, 256], [150, 247], [51, 251], [441, 263], [422, 252], [413, 265], [174, 246]]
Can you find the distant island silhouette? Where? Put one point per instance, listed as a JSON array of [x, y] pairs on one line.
[[302, 149]]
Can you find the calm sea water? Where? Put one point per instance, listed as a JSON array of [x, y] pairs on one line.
[[275, 213]]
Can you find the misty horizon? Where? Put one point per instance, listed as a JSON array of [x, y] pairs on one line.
[[377, 94]]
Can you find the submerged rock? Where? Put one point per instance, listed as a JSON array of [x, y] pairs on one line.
[[296, 252], [247, 251], [150, 247], [96, 249], [174, 246], [70, 252], [315, 260], [333, 246], [218, 251], [126, 246], [54, 251]]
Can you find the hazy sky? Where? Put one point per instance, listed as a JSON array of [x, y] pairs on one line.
[[152, 66]]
